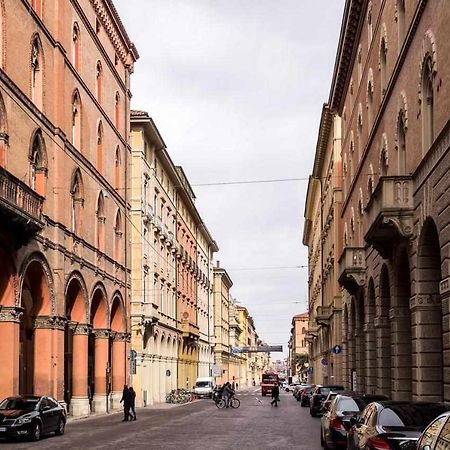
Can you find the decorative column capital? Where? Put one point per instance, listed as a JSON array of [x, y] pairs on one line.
[[424, 302], [119, 336], [50, 322], [101, 333], [80, 328], [10, 314]]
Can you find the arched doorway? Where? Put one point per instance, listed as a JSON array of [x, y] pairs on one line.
[[383, 333], [98, 350], [400, 319], [427, 343], [35, 367], [117, 369], [351, 344], [360, 342], [371, 343], [346, 353], [76, 339]]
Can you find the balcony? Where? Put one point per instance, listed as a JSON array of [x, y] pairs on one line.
[[20, 208], [190, 331], [150, 313], [352, 269], [390, 213], [323, 315]]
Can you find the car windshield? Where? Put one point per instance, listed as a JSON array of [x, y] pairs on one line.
[[27, 404], [202, 384], [410, 415], [347, 404]]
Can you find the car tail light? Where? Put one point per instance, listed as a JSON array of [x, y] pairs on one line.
[[336, 424], [378, 443]]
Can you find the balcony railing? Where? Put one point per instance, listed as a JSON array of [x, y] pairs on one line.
[[352, 269], [190, 330], [21, 205], [390, 213]]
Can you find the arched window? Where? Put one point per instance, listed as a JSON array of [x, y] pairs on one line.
[[76, 120], [77, 193], [370, 105], [383, 162], [76, 46], [38, 164], [369, 26], [98, 81], [101, 219], [400, 23], [3, 132], [37, 6], [359, 129], [36, 73], [117, 110], [401, 143], [100, 148], [359, 59], [427, 104], [118, 169], [383, 66], [118, 232]]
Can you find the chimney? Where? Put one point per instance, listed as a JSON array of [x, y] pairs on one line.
[[218, 264]]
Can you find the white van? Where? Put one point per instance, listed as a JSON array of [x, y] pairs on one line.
[[204, 387]]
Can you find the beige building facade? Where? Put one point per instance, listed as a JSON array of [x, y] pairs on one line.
[[64, 123], [389, 88], [299, 346]]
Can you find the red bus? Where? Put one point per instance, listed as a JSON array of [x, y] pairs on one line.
[[268, 381]]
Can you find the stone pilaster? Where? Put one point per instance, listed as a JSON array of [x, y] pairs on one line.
[[383, 335], [371, 358]]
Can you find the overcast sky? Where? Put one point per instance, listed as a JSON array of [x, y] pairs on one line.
[[236, 89]]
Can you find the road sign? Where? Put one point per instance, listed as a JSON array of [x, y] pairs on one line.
[[336, 349]]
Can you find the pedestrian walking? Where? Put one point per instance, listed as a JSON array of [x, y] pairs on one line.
[[237, 386], [275, 395], [133, 402], [126, 399]]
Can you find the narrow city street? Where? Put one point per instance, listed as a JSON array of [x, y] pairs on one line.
[[198, 425]]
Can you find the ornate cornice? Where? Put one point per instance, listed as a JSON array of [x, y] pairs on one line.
[[50, 322], [348, 41], [101, 333], [80, 328], [10, 314]]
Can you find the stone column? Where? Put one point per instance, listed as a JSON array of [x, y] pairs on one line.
[[49, 356], [79, 403], [9, 350], [400, 320], [383, 335], [119, 359], [371, 358], [427, 346], [360, 358], [101, 348]]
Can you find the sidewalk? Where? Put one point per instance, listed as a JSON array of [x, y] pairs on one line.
[[156, 406]]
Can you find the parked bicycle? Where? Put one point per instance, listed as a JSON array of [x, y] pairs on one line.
[[179, 396]]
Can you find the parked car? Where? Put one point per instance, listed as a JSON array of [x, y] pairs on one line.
[[319, 394], [297, 391], [436, 435], [305, 396], [31, 417], [290, 387], [335, 421], [204, 387], [392, 425]]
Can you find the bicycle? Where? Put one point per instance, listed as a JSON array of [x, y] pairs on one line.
[[233, 402]]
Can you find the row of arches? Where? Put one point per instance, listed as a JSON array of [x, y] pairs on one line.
[[394, 334], [76, 351]]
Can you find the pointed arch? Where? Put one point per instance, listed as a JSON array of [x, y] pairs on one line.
[[99, 307], [118, 316], [370, 92], [77, 194], [3, 132], [76, 120], [76, 46], [38, 162], [99, 82], [117, 110], [118, 233], [400, 11], [382, 61], [118, 169], [37, 71], [100, 155], [401, 128], [101, 219], [384, 156]]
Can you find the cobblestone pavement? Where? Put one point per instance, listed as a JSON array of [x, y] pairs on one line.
[[197, 425]]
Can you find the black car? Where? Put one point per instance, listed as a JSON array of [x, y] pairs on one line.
[[305, 395], [335, 421], [392, 425], [436, 435], [31, 417], [319, 394]]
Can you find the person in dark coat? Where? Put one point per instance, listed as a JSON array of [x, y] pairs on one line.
[[275, 395], [133, 402], [126, 399]]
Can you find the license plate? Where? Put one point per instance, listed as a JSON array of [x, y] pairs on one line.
[[2, 428]]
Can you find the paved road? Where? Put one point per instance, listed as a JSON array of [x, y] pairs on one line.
[[198, 425]]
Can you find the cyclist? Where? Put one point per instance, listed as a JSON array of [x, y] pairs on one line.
[[227, 393]]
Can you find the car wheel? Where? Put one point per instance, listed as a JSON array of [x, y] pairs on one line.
[[36, 432], [61, 427]]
